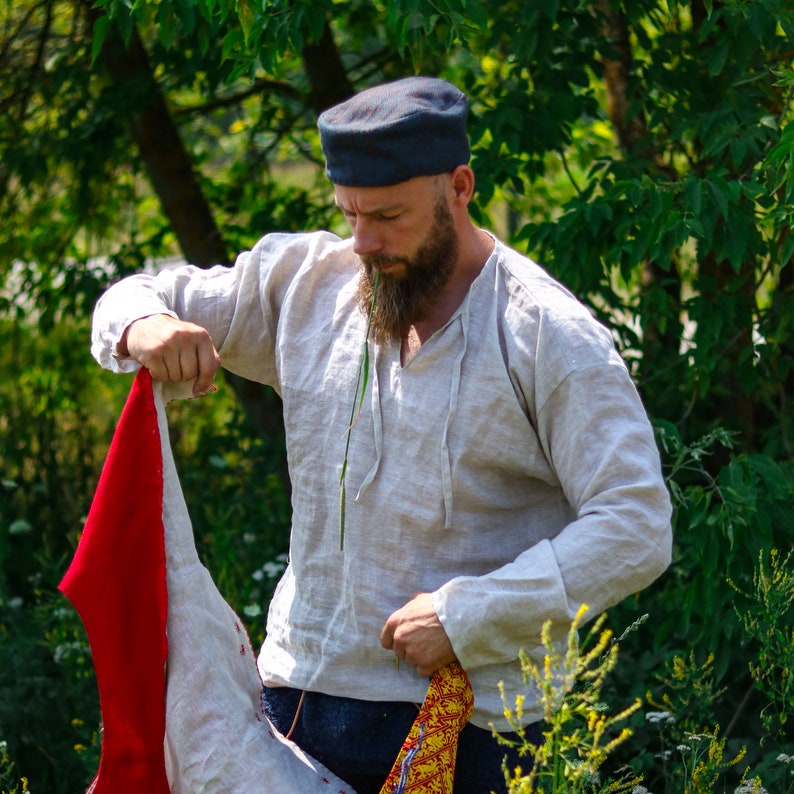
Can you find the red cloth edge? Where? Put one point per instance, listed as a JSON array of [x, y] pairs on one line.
[[117, 584]]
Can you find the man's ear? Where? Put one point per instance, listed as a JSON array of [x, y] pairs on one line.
[[462, 179]]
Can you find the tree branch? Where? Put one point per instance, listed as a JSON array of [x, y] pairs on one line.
[[165, 158], [326, 72], [35, 67], [258, 87], [170, 169]]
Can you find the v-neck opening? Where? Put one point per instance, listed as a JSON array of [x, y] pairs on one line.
[[454, 316]]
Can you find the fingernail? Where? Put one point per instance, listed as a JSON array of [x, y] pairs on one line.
[[211, 390]]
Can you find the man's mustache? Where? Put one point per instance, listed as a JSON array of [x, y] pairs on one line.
[[373, 261]]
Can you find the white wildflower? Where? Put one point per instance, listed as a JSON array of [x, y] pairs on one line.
[[750, 787], [68, 650], [20, 527], [252, 610], [699, 737], [655, 717], [276, 567]]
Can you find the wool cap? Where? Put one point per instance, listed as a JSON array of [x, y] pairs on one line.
[[396, 131]]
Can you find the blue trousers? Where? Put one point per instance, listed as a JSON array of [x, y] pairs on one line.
[[358, 740]]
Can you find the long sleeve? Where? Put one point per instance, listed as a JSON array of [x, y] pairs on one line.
[[211, 298], [600, 445], [239, 306]]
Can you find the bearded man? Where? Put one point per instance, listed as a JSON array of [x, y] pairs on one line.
[[501, 471]]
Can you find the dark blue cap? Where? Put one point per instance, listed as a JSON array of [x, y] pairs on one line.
[[394, 132]]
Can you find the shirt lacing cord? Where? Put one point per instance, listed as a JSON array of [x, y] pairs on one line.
[[461, 316], [454, 389]]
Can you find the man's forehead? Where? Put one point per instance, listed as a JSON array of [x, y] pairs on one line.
[[373, 200], [367, 205]]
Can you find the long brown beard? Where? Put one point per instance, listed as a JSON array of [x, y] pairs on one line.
[[405, 299]]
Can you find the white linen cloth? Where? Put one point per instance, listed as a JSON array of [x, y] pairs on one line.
[[217, 737], [509, 469]]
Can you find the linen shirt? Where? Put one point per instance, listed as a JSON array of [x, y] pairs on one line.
[[509, 468]]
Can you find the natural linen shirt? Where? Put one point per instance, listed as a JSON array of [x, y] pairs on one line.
[[509, 469]]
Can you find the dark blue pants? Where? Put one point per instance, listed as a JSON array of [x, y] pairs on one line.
[[358, 740]]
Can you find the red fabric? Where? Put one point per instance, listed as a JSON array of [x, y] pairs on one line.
[[117, 584]]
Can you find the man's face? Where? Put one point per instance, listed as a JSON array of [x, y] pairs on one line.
[[409, 285], [415, 257]]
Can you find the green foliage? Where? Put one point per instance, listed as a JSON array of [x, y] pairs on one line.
[[769, 620], [690, 693], [690, 699], [721, 524], [698, 205], [695, 665], [9, 783], [56, 425], [583, 734], [54, 430], [579, 732]]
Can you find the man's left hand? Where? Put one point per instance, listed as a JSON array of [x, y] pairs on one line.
[[416, 635]]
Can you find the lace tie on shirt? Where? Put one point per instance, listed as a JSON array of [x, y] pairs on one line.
[[445, 455], [454, 390]]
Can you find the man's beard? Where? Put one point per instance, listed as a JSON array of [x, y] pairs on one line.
[[406, 298]]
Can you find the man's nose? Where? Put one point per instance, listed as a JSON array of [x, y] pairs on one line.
[[366, 239]]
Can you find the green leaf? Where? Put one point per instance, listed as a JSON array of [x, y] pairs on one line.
[[719, 195], [100, 32], [718, 56], [245, 13], [124, 23], [165, 22], [788, 249], [737, 239], [694, 194]]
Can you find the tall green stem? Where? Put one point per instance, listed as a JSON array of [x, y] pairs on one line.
[[362, 379]]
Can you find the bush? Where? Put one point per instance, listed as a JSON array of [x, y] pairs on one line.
[[584, 737]]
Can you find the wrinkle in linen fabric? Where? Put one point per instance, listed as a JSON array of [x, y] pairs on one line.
[[200, 728]]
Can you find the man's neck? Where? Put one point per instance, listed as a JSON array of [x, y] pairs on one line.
[[475, 249]]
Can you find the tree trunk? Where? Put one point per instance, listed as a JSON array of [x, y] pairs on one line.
[[326, 73], [167, 163], [170, 169], [785, 296], [631, 134]]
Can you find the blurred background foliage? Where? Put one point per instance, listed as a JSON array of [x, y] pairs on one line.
[[643, 152]]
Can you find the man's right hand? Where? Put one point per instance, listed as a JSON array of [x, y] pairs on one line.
[[172, 350]]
